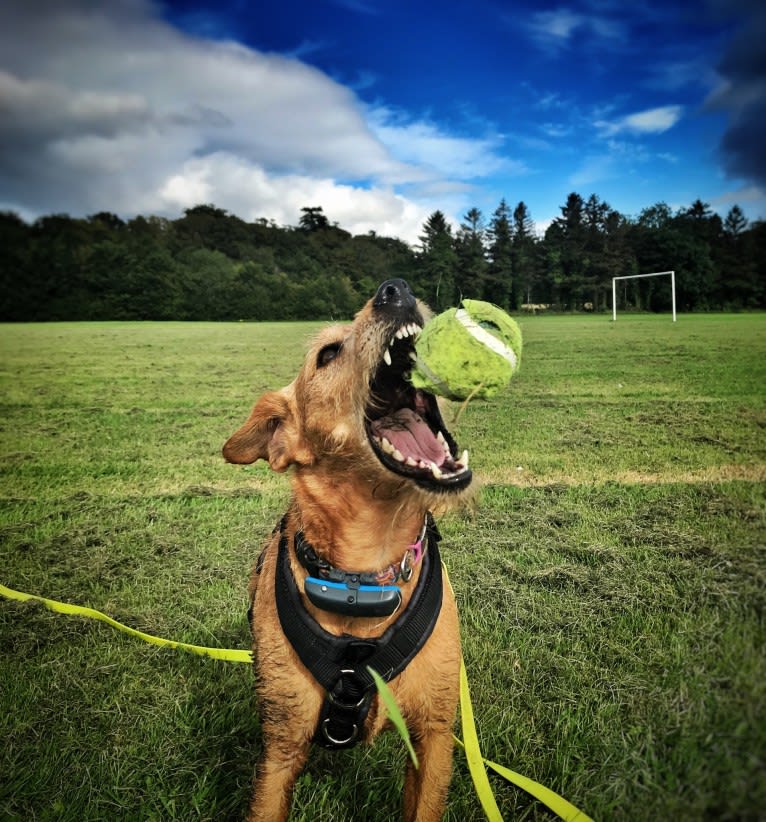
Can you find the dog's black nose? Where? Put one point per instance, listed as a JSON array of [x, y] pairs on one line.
[[394, 294]]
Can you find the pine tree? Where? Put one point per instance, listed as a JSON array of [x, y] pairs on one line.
[[567, 236], [471, 255], [735, 222], [500, 268], [738, 281], [438, 262], [524, 256]]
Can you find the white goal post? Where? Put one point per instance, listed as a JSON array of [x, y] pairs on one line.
[[635, 276]]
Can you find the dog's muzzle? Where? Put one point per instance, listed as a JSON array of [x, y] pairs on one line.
[[404, 424]]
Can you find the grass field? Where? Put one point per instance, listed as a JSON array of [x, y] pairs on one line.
[[611, 580]]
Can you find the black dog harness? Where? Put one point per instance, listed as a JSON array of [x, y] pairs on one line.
[[339, 663]]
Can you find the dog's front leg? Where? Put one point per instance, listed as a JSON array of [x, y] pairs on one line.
[[425, 787], [289, 704], [274, 781]]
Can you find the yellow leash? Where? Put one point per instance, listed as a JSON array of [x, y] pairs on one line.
[[227, 654], [476, 762]]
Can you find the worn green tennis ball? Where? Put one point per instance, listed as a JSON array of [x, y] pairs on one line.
[[471, 351]]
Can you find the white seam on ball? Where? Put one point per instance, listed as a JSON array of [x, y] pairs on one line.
[[484, 337], [441, 386]]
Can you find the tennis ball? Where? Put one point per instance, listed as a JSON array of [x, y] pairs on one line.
[[469, 351]]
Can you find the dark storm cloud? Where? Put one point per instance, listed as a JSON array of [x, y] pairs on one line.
[[743, 95]]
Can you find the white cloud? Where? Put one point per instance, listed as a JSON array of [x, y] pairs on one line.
[[423, 145], [106, 107], [594, 169], [650, 121], [554, 29], [621, 159], [246, 189], [557, 24], [676, 75], [556, 130]]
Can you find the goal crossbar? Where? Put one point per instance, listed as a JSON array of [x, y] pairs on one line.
[[636, 276]]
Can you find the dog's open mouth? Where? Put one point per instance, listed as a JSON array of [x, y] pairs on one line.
[[405, 426]]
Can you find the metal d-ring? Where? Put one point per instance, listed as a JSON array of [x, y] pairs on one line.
[[329, 738], [348, 706], [406, 567]]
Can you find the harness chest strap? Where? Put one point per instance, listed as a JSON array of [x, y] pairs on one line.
[[339, 663]]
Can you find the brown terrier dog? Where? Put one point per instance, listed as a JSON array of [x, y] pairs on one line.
[[352, 578]]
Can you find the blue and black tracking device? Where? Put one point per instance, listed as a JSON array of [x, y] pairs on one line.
[[352, 599]]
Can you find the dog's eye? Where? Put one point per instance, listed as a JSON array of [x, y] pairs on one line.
[[328, 354]]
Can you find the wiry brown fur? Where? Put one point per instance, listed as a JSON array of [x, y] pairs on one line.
[[360, 516]]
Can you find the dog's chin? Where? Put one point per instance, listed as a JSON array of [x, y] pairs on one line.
[[404, 425]]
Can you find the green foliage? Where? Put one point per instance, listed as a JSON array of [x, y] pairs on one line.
[[438, 262], [211, 265], [394, 714], [313, 219], [501, 266], [470, 248], [526, 273]]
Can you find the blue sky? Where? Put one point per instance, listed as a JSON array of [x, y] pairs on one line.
[[380, 111]]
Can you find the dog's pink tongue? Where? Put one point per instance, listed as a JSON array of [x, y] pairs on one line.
[[410, 434]]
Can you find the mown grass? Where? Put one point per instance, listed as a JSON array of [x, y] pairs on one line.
[[610, 580]]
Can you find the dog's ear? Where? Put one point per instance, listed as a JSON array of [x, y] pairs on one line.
[[270, 433]]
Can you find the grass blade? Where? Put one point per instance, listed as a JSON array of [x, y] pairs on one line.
[[394, 713]]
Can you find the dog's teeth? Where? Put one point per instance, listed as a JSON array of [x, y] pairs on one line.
[[440, 437], [386, 445], [411, 462], [416, 329], [435, 470], [397, 455], [464, 459], [413, 356], [399, 335], [387, 357]]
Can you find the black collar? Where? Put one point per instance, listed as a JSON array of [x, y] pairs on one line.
[[320, 568]]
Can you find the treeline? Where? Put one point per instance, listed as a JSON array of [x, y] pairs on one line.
[[211, 265], [719, 264]]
